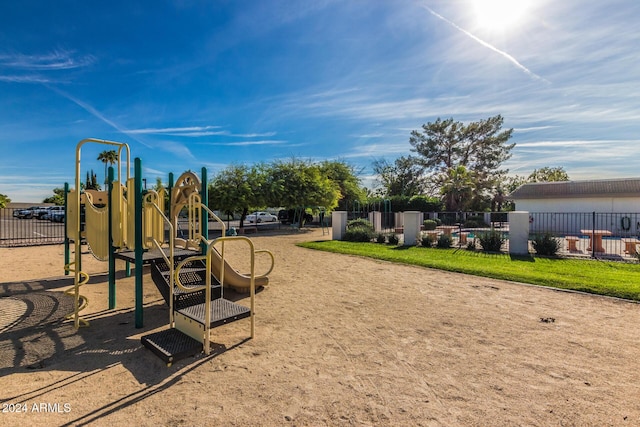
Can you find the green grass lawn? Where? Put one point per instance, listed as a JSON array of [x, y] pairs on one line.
[[614, 279]]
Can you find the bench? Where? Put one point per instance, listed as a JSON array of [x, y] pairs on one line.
[[630, 245], [572, 242]]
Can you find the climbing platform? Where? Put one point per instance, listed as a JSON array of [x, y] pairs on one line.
[[171, 345], [221, 311], [185, 338], [155, 255], [192, 275]]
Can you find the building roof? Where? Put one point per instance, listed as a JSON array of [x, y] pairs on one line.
[[625, 187]]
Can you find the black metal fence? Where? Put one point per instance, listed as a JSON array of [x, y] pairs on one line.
[[392, 222], [20, 230], [603, 235], [586, 234]]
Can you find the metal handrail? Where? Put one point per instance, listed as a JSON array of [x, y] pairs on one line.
[[169, 259]]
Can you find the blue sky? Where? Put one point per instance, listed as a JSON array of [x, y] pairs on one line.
[[191, 83]]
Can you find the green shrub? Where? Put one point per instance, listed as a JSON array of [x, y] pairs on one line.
[[360, 223], [424, 204], [381, 238], [427, 240], [438, 221], [444, 241], [475, 221], [358, 234], [429, 224], [471, 224], [393, 239], [546, 244], [491, 241], [448, 218], [471, 245]]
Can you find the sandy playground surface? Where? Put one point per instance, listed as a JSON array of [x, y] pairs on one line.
[[340, 340]]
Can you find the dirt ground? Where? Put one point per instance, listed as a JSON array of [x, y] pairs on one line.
[[340, 340]]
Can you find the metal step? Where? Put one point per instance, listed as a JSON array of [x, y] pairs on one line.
[[192, 276], [171, 345], [222, 311]]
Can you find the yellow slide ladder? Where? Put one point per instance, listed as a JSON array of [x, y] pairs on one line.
[[81, 278]]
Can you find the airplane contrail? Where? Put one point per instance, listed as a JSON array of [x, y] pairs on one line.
[[511, 59], [88, 108]]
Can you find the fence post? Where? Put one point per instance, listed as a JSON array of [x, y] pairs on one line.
[[338, 224], [487, 218], [375, 218], [593, 234], [412, 222], [518, 233]]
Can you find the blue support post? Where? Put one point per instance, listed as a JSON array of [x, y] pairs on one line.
[[138, 241], [169, 190], [204, 194], [67, 257], [112, 258]]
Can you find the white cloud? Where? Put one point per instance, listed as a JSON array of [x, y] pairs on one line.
[[245, 143], [55, 60], [24, 79], [177, 130]]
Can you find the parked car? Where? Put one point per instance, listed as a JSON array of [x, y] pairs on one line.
[[31, 212], [283, 216], [258, 217], [55, 214], [288, 216]]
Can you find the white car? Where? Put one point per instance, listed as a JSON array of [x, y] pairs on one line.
[[258, 217]]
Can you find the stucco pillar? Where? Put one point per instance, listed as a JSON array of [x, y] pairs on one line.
[[412, 222], [375, 218], [519, 233], [338, 224]]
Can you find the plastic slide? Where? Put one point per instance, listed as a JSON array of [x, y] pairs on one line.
[[232, 279]]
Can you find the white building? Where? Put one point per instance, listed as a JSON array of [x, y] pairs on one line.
[[554, 205]]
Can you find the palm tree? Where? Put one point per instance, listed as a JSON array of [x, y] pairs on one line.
[[457, 188], [108, 157]]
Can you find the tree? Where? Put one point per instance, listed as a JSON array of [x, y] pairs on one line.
[[405, 177], [4, 200], [91, 182], [238, 188], [108, 157], [547, 174], [480, 147], [298, 183], [457, 189], [346, 177], [57, 198]]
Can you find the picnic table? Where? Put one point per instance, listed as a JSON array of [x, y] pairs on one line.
[[630, 245], [447, 229], [595, 239]]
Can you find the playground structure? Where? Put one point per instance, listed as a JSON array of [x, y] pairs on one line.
[[191, 272]]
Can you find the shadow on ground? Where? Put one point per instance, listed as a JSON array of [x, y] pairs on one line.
[[38, 337]]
